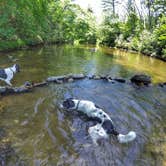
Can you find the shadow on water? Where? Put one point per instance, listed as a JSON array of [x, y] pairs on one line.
[[42, 134]]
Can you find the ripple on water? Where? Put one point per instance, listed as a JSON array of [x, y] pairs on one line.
[[43, 134]]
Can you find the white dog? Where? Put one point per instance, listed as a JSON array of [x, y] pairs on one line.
[[8, 73], [105, 126]]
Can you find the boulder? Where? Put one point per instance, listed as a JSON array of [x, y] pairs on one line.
[[141, 79]]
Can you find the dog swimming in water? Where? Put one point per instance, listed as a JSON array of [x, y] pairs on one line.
[[104, 128]]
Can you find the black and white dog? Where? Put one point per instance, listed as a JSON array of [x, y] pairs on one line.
[[104, 128], [8, 73]]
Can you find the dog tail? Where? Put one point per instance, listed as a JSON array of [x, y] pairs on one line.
[[126, 138], [110, 129]]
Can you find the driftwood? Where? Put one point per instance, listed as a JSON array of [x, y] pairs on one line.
[[29, 86]]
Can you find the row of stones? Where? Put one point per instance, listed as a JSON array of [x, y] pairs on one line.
[[28, 86]]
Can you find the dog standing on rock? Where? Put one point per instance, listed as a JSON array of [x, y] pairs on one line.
[[7, 74], [104, 128]]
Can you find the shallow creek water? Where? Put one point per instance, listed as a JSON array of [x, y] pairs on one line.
[[42, 134]]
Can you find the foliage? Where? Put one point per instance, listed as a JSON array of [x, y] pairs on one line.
[[109, 31], [146, 34], [39, 21], [31, 22]]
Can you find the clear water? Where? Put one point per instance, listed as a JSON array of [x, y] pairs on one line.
[[42, 134]]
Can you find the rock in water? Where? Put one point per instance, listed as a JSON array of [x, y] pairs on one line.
[[141, 78]]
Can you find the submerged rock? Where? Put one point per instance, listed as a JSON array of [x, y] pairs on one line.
[[162, 84], [2, 89], [141, 79]]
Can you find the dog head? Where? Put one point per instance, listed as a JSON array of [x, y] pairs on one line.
[[17, 67], [68, 104]]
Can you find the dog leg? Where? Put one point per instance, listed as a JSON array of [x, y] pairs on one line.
[[8, 82]]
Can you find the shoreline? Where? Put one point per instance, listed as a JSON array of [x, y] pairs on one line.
[[25, 46], [138, 52]]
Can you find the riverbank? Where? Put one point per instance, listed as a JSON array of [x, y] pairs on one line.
[[7, 46], [141, 52]]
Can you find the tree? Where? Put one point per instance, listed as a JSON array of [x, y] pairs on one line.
[[109, 6]]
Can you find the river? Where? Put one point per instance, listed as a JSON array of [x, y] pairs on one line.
[[40, 133]]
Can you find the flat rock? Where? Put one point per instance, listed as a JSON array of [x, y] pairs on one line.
[[78, 76], [55, 78], [59, 81]]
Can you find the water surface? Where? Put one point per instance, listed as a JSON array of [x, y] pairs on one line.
[[42, 134]]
